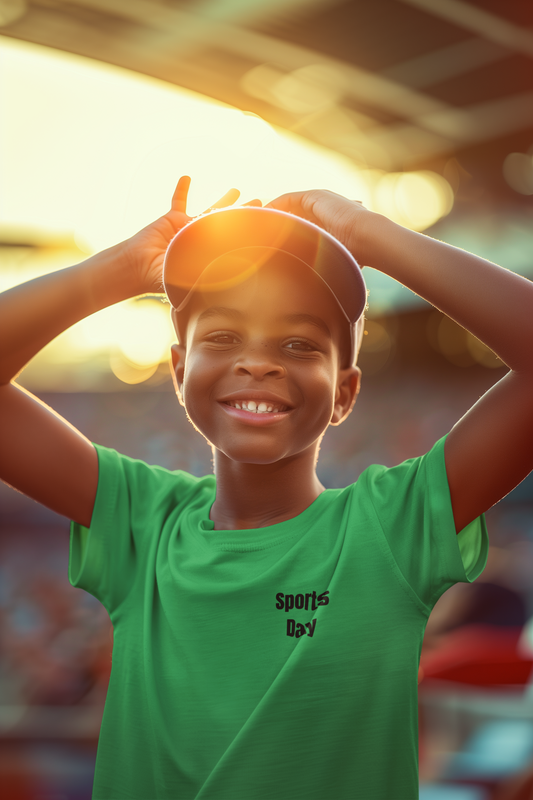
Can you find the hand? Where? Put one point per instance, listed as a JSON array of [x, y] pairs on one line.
[[344, 219], [146, 249]]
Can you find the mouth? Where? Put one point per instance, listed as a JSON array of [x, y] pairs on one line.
[[257, 407]]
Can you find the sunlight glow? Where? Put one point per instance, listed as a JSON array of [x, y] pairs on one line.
[[91, 153], [140, 329]]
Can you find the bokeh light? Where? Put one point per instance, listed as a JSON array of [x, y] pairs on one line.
[[377, 346], [414, 199], [303, 91], [458, 346], [144, 333], [482, 354], [518, 172], [139, 330], [130, 373]]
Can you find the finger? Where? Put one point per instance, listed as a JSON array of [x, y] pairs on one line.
[[227, 200], [298, 204], [254, 203], [288, 202], [179, 198]]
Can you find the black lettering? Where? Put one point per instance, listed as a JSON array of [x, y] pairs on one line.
[[290, 627], [314, 606], [300, 630], [289, 602], [307, 596], [311, 625], [279, 598], [299, 601], [322, 599]]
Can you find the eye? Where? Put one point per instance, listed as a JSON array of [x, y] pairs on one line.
[[223, 337], [301, 346]]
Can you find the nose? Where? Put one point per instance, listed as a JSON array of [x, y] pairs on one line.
[[260, 361]]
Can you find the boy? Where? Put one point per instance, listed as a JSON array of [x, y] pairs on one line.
[[268, 631]]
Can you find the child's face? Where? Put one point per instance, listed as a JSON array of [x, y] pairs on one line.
[[273, 339]]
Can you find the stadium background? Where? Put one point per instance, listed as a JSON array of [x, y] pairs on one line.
[[421, 108]]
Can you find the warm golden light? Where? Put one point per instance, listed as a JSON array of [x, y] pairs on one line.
[[144, 333], [414, 199], [141, 330], [131, 338], [130, 373], [94, 183], [302, 91], [105, 179]]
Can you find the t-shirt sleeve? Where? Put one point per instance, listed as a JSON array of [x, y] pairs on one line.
[[106, 558], [413, 505]]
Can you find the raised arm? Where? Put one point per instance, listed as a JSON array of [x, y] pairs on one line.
[[41, 454], [490, 450]]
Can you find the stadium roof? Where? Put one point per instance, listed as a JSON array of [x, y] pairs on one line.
[[393, 84]]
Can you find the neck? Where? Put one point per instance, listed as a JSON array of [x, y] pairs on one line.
[[256, 495]]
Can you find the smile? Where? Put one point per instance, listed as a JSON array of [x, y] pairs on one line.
[[255, 407], [244, 411]]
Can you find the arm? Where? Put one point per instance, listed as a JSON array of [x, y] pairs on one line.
[[490, 450], [41, 454]]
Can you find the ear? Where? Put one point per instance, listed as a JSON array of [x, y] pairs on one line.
[[348, 385], [178, 368]]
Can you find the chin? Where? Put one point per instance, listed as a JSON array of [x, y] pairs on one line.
[[251, 455]]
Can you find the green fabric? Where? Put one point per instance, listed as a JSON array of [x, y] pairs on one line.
[[469, 547], [271, 663]]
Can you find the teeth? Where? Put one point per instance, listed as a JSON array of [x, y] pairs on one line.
[[251, 405]]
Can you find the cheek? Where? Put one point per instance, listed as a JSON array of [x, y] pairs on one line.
[[319, 395], [200, 378]]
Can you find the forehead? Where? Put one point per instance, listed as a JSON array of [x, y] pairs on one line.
[[277, 291]]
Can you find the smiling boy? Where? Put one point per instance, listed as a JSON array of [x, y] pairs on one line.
[[268, 631], [268, 350]]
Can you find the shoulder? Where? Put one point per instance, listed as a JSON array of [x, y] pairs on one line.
[[121, 471], [414, 476]]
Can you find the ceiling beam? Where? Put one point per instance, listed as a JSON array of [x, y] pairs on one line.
[[186, 33], [489, 26], [446, 62]]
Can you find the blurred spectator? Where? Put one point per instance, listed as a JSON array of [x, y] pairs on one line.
[[55, 642]]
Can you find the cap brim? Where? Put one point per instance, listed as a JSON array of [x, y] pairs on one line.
[[236, 240]]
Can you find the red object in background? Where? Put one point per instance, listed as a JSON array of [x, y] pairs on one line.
[[478, 655], [17, 786]]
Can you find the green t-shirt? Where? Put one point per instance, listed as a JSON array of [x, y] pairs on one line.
[[277, 663]]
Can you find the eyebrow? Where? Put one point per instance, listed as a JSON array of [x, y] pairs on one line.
[[310, 319], [217, 311]]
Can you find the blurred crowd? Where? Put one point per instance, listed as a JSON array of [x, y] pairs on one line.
[[55, 641]]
